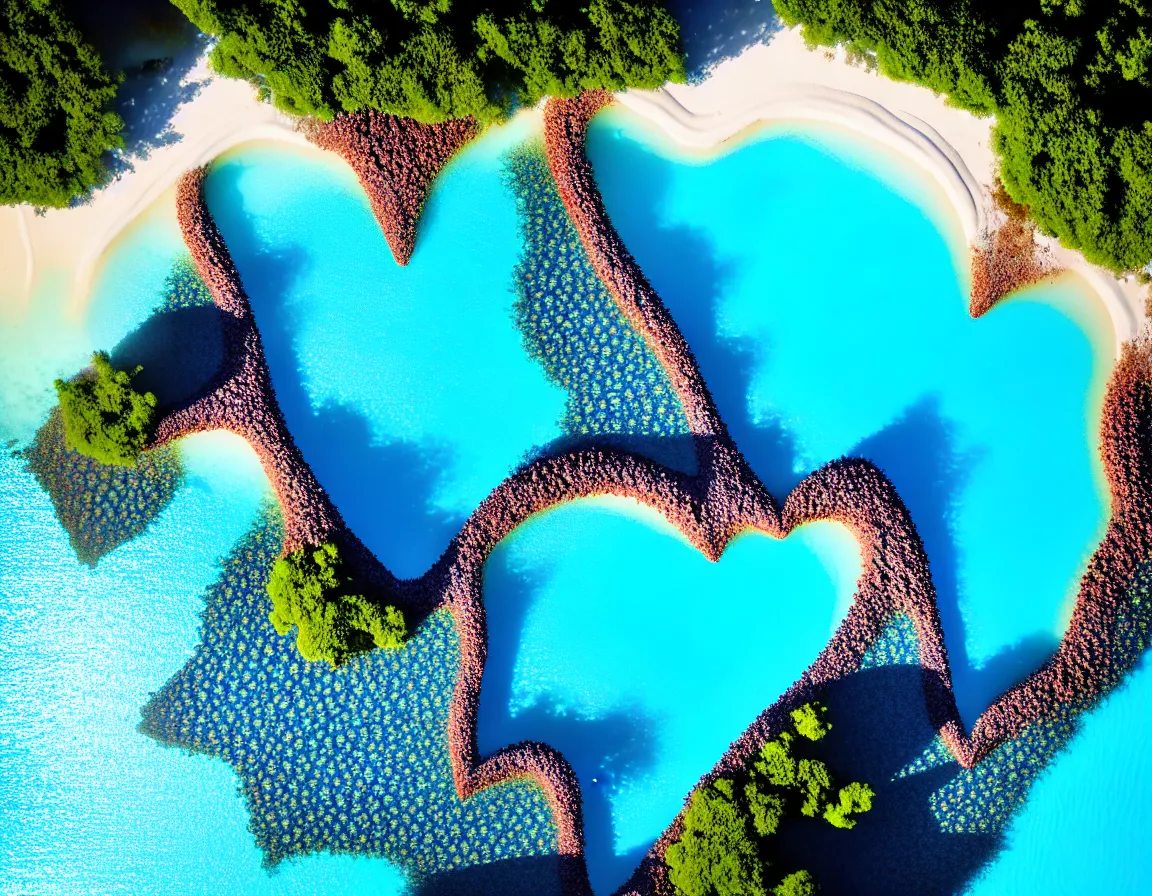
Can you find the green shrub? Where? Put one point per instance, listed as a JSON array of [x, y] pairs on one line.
[[54, 97], [1070, 83], [104, 417], [715, 853], [310, 591], [853, 798], [436, 60], [725, 845], [798, 883]]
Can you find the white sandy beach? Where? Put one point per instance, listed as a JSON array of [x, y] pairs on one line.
[[782, 81]]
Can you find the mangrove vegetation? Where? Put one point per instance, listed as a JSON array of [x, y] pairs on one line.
[[439, 59], [56, 122], [725, 847], [104, 417], [311, 591], [1070, 84]]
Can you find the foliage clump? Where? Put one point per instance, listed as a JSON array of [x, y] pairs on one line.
[[104, 417], [55, 123], [309, 590], [1070, 83], [724, 847], [438, 59]]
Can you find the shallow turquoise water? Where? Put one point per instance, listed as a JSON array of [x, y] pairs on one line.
[[411, 414], [818, 285], [1085, 826], [90, 804], [618, 643], [406, 387]]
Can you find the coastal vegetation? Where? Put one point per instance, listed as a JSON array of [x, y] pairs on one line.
[[327, 761], [437, 60], [725, 845], [1070, 84], [104, 417], [310, 590], [55, 96]]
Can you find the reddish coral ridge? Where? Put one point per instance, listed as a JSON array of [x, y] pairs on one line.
[[1007, 261], [396, 161], [724, 498]]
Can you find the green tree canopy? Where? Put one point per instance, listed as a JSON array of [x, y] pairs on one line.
[[1069, 81], [437, 59], [724, 848], [104, 417], [55, 123], [310, 590]]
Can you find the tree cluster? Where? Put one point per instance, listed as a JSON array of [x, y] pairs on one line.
[[104, 417], [55, 94], [1070, 83], [310, 590], [725, 846], [437, 59]]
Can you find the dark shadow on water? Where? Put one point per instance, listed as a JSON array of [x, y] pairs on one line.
[[686, 270], [528, 876], [918, 453], [180, 350], [879, 726], [613, 748], [383, 491], [715, 30]]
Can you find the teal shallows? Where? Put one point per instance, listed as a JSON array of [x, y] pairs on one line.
[[615, 641], [407, 388], [572, 326], [347, 761], [1085, 826], [829, 317], [56, 335], [91, 805], [896, 646]]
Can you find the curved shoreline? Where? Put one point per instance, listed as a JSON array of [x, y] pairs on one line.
[[784, 81], [724, 498]]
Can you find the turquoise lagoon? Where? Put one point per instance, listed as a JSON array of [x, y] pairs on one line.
[[410, 393], [387, 374], [823, 290]]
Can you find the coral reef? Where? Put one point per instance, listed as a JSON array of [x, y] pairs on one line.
[[396, 161], [574, 328], [100, 506], [723, 498], [350, 760], [1004, 261]]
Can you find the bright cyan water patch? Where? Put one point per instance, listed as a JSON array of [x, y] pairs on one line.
[[615, 641]]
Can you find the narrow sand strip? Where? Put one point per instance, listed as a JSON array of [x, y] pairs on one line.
[[785, 81], [225, 113]]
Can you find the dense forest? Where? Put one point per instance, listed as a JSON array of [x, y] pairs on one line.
[[1070, 83], [55, 123], [437, 59]]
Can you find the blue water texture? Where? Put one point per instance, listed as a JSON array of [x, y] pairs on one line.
[[822, 288], [406, 388]]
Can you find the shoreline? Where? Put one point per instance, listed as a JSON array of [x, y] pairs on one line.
[[223, 115], [783, 81]]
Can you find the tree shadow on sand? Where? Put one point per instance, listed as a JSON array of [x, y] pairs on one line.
[[715, 30], [612, 748]]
